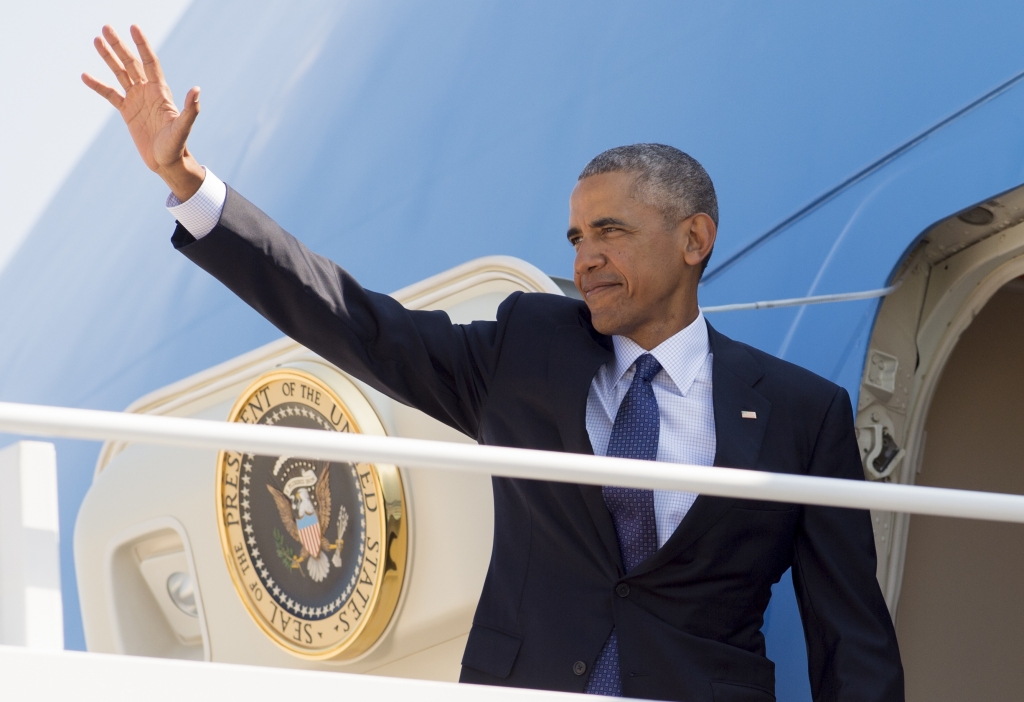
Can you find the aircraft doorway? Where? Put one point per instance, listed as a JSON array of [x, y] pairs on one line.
[[941, 403], [961, 616]]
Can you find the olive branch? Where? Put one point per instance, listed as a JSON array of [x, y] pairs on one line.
[[284, 552]]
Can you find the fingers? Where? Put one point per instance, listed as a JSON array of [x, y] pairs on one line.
[[104, 91], [184, 121], [131, 64], [112, 62], [150, 63]]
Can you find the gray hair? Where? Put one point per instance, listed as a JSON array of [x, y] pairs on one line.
[[667, 178]]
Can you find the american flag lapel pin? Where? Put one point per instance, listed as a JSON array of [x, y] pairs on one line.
[[747, 414]]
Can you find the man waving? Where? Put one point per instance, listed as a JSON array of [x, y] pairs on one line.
[[609, 591]]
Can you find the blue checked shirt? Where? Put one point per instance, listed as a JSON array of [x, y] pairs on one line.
[[683, 390], [682, 387]]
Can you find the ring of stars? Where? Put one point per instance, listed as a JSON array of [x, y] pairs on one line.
[[279, 595]]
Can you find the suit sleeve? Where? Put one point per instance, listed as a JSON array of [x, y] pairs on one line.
[[851, 643], [418, 358]]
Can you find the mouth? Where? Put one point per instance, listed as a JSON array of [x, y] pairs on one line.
[[593, 291]]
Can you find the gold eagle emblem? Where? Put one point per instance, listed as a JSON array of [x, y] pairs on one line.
[[306, 515]]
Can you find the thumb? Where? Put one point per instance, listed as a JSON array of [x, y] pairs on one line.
[[184, 121]]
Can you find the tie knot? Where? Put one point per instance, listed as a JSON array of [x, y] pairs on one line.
[[647, 367]]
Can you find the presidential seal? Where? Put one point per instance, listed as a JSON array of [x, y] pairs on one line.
[[316, 549]]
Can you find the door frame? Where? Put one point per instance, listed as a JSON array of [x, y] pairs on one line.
[[915, 332]]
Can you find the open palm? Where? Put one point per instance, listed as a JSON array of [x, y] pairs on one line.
[[158, 129]]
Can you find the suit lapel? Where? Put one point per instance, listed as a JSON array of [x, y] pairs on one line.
[[577, 352], [734, 374]]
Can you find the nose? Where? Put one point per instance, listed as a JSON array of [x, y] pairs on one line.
[[588, 258]]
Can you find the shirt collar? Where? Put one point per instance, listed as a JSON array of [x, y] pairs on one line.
[[681, 355]]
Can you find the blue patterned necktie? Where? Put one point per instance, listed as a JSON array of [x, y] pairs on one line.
[[634, 435]]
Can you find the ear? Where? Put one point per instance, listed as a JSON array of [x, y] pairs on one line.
[[700, 232]]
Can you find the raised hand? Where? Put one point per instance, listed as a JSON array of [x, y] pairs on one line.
[[159, 131]]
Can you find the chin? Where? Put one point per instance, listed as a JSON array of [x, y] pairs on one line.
[[607, 323]]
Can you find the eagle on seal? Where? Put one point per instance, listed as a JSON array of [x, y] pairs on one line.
[[307, 523]]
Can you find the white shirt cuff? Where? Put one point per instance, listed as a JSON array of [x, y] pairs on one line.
[[201, 212]]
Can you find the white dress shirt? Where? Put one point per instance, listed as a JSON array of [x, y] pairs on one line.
[[682, 387], [683, 390], [201, 212]]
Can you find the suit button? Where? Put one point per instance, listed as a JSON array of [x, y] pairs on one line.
[[622, 590], [579, 667]]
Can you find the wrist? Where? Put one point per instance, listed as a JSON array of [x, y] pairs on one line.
[[184, 177]]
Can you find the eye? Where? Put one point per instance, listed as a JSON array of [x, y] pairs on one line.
[[575, 241]]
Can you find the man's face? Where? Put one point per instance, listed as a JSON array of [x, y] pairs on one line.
[[637, 270]]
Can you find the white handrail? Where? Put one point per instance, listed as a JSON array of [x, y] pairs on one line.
[[41, 420], [798, 301], [77, 676]]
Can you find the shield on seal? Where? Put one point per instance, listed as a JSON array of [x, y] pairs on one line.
[[309, 533]]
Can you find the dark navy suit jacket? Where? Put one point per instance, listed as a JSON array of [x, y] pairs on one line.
[[689, 622]]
